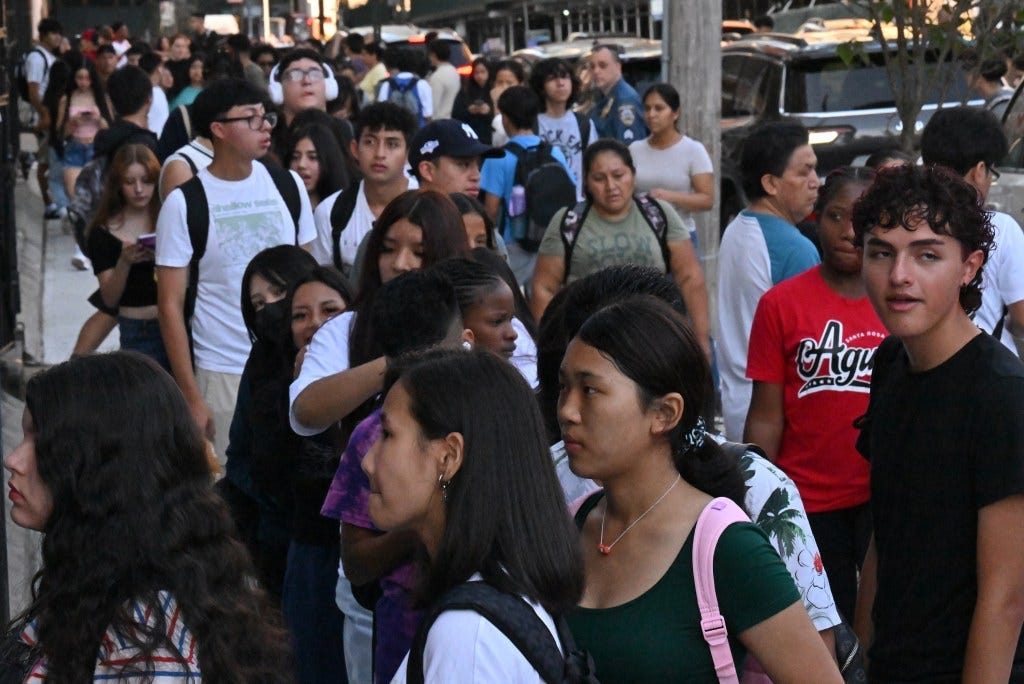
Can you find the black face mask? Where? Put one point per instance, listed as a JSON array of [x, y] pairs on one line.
[[271, 322]]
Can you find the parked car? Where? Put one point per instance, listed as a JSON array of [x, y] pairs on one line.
[[850, 110], [1007, 192]]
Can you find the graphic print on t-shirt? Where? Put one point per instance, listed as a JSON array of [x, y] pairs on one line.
[[835, 363], [241, 224]]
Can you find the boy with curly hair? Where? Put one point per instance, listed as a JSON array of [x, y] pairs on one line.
[[942, 590]]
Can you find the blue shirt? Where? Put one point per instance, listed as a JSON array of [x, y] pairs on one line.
[[497, 176], [619, 114]]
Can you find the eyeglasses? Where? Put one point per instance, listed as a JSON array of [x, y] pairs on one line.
[[314, 74], [255, 120], [993, 171]]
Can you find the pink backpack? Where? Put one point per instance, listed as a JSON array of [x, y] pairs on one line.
[[713, 521]]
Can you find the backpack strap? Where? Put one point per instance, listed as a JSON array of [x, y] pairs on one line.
[[341, 214], [197, 220], [289, 190], [655, 216], [186, 119], [713, 521], [583, 122], [510, 614], [572, 222]]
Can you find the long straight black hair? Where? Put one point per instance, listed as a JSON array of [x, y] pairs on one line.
[[654, 346], [505, 512]]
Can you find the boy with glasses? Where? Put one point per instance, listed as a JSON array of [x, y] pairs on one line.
[[248, 212], [971, 142]]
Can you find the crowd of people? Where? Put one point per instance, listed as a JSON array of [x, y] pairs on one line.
[[418, 383]]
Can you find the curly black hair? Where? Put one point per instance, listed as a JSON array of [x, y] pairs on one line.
[[905, 196], [135, 514]]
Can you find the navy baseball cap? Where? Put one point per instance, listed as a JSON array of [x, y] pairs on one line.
[[448, 138]]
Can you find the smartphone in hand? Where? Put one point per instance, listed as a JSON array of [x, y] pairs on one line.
[[148, 241]]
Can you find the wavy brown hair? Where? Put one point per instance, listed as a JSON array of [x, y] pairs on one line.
[[134, 514], [112, 201]]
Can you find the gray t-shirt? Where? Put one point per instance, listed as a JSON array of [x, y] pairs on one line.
[[564, 133], [601, 243], [670, 169]]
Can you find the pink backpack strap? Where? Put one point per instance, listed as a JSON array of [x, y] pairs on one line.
[[713, 520]]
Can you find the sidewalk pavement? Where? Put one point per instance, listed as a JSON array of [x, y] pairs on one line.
[[53, 308]]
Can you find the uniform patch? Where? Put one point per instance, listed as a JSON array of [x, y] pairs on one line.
[[627, 115]]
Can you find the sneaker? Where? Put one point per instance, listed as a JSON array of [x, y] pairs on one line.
[[54, 212], [80, 261]]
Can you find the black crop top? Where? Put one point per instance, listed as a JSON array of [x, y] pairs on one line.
[[105, 250]]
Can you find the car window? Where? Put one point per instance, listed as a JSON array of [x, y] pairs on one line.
[[829, 85], [750, 86], [731, 66], [642, 73]]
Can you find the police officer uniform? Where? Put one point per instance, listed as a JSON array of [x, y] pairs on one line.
[[618, 114]]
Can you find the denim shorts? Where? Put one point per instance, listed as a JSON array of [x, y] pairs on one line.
[[77, 154], [144, 337]]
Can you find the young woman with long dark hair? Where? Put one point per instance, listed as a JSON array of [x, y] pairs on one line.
[[632, 386], [480, 495], [142, 577]]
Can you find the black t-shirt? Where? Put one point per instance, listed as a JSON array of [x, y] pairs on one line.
[[942, 443], [105, 250]]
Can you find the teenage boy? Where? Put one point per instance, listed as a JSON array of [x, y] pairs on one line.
[[971, 142], [383, 132], [519, 107], [247, 214], [942, 590], [152, 64], [38, 62], [401, 63], [760, 248], [445, 156], [300, 82], [556, 85], [444, 81], [376, 70]]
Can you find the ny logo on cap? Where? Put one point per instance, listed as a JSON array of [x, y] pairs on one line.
[[469, 131]]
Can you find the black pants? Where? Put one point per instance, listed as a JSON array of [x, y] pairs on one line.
[[843, 537]]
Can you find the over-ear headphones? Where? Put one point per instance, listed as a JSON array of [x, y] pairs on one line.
[[277, 91]]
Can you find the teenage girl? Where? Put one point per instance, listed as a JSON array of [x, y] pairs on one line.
[[122, 258], [343, 366]]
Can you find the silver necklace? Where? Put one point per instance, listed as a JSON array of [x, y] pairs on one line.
[[604, 549]]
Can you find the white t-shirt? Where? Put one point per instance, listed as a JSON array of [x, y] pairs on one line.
[[357, 228], [328, 354], [1002, 278], [671, 169], [38, 63], [564, 133], [444, 84], [423, 92], [194, 151], [158, 111], [463, 646], [246, 217]]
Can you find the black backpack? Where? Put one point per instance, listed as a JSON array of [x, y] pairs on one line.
[[547, 187], [21, 72], [516, 620], [197, 218], [652, 212], [583, 121], [341, 214]]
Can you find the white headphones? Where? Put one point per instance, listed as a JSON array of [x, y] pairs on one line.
[[277, 91]]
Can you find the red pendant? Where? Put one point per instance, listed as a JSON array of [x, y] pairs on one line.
[[604, 549]]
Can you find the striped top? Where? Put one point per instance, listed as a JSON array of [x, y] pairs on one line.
[[120, 660]]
